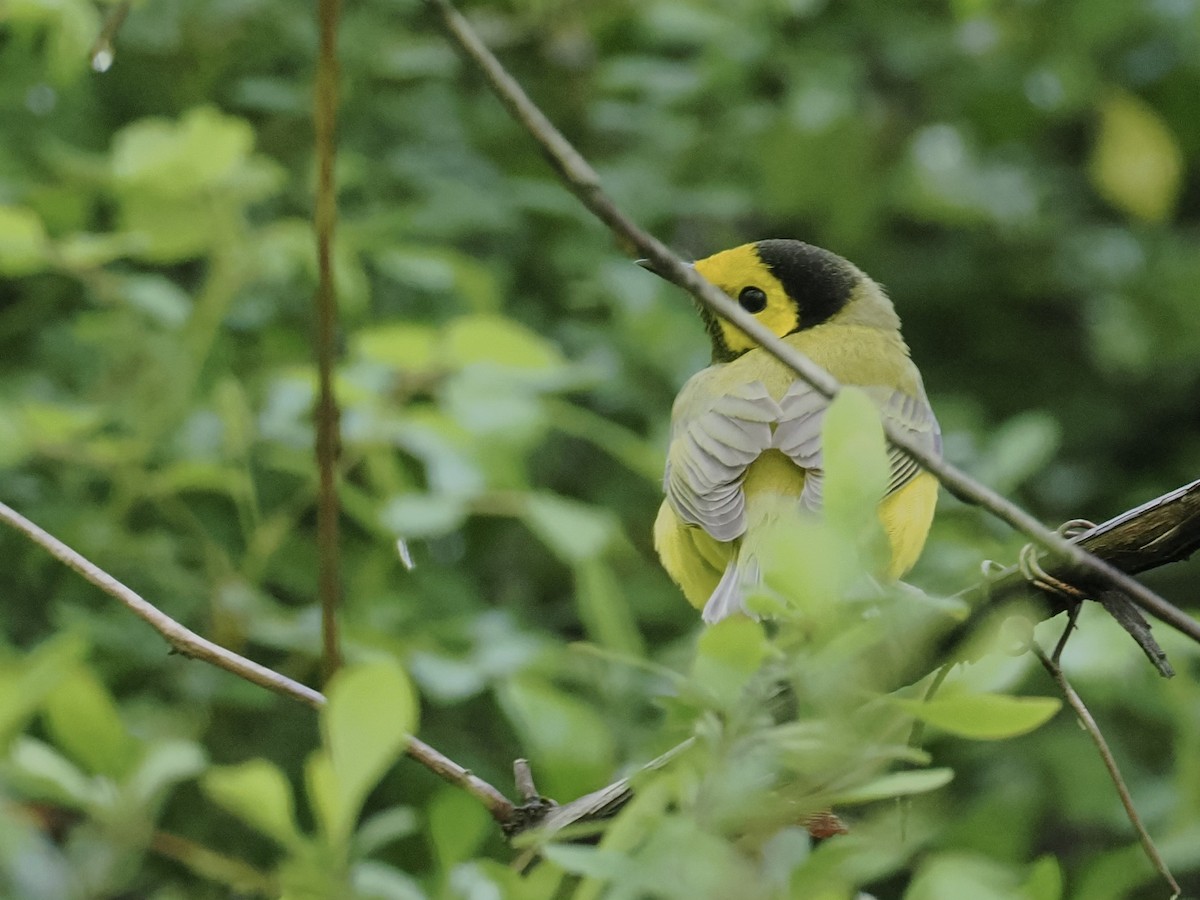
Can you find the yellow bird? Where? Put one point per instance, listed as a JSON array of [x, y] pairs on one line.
[[745, 446]]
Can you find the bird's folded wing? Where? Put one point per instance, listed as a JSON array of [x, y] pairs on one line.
[[798, 434], [914, 417], [713, 440]]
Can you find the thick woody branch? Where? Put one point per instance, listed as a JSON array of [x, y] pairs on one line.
[[188, 643], [582, 180]]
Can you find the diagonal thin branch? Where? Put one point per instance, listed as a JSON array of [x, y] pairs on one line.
[[189, 644], [1110, 763], [582, 180]]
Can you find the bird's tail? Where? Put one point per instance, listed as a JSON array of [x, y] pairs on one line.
[[741, 578]]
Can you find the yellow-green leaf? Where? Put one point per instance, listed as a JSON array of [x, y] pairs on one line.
[[82, 718], [986, 717], [897, 784], [371, 711], [258, 794], [1136, 163]]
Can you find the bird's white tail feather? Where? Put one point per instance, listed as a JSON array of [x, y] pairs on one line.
[[742, 576]]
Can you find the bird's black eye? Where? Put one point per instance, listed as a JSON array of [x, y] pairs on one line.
[[753, 299]]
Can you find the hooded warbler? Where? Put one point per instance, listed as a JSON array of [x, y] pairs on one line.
[[745, 445]]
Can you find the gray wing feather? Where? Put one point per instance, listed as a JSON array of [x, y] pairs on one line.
[[710, 449], [914, 416], [798, 434]]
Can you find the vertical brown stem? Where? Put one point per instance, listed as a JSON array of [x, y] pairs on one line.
[[327, 443]]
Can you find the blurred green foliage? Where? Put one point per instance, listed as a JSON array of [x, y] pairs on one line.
[[1022, 176]]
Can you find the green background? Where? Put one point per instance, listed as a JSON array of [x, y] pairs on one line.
[[1023, 177]]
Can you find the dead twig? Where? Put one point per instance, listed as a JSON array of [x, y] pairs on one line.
[[1051, 665], [188, 643]]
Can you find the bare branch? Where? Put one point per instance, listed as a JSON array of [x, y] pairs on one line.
[[1110, 763], [583, 181], [325, 103], [192, 645]]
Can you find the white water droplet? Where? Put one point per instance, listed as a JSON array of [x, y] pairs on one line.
[[102, 59]]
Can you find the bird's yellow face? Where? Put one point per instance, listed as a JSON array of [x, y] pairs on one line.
[[787, 285]]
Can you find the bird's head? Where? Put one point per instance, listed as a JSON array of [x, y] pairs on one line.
[[789, 286]]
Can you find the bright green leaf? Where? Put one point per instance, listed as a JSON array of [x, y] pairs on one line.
[[487, 338], [371, 711], [24, 683], [23, 243], [257, 793], [83, 720], [403, 346], [1136, 163], [322, 791], [1045, 881], [728, 653], [457, 826], [855, 454], [984, 716], [896, 784]]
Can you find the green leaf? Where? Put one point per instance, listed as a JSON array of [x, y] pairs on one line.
[[402, 346], [896, 784], [384, 828], [371, 711], [202, 149], [1136, 163], [985, 717], [423, 515], [575, 531], [487, 338], [590, 862], [258, 793], [165, 764], [23, 243], [728, 654], [604, 608], [811, 563], [321, 788], [570, 745], [40, 771], [25, 683], [83, 720], [457, 826], [953, 876], [1045, 881], [855, 453]]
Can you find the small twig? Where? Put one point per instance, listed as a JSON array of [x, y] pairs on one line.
[[581, 179], [103, 49], [193, 646], [1072, 619], [523, 775], [325, 103], [1089, 725], [917, 735]]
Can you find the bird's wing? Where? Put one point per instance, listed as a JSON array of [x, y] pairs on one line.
[[912, 416], [713, 440], [798, 434]]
